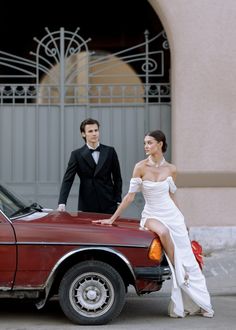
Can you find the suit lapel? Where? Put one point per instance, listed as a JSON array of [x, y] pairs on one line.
[[102, 158], [86, 154]]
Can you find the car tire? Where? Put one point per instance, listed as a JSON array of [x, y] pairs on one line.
[[92, 293]]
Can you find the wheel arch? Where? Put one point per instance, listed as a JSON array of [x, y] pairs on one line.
[[112, 257]]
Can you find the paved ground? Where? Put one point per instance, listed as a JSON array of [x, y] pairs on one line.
[[220, 272]]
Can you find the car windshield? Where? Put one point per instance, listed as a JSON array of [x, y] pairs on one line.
[[12, 205]]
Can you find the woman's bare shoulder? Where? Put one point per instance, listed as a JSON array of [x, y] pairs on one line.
[[138, 168], [172, 169], [141, 163]]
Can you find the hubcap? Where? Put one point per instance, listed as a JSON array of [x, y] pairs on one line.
[[91, 294]]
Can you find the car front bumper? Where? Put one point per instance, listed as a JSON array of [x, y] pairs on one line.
[[158, 273]]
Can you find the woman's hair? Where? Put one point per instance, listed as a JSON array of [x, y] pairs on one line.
[[159, 136], [88, 121]]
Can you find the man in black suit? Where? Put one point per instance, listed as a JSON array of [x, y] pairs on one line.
[[98, 168]]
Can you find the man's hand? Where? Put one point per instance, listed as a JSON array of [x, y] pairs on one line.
[[61, 208]]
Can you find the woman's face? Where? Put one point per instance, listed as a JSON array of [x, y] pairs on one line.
[[151, 146]]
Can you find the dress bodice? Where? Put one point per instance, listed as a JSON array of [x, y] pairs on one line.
[[155, 193], [137, 184]]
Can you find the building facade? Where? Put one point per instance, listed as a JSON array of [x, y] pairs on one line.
[[203, 72], [200, 120]]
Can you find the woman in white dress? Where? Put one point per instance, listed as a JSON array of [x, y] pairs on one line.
[[155, 177]]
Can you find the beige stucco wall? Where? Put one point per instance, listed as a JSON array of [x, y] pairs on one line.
[[203, 76]]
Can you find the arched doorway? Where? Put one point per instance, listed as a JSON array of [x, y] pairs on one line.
[[124, 121]]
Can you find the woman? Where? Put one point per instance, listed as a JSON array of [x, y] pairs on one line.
[[155, 177]]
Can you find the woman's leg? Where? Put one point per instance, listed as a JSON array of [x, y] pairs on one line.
[[164, 235]]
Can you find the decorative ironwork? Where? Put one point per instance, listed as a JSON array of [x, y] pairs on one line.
[[66, 71]]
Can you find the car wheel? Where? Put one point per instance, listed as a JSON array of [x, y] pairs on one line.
[[92, 292]]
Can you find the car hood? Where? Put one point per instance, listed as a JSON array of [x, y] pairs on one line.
[[78, 227], [74, 218]]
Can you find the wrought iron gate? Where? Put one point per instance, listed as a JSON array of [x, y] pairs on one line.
[[43, 102]]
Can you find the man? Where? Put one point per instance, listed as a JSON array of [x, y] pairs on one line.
[[98, 168]]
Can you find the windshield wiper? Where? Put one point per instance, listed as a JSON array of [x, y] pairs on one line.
[[34, 206]]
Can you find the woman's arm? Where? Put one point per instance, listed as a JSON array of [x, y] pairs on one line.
[[172, 196], [173, 174], [127, 200]]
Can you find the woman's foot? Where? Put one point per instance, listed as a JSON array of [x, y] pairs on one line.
[[203, 313], [175, 316], [207, 314]]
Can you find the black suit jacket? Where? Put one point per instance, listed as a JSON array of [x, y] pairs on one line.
[[100, 184]]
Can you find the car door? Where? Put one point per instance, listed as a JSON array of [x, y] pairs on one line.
[[7, 253]]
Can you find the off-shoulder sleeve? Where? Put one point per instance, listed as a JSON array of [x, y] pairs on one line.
[[172, 185], [135, 185]]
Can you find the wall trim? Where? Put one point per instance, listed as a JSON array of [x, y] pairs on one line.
[[214, 238], [206, 179]]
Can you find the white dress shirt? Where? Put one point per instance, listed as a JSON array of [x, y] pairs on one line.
[[95, 154]]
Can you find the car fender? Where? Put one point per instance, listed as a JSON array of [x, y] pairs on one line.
[[40, 304]]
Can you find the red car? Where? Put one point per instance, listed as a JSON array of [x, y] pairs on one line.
[[88, 266]]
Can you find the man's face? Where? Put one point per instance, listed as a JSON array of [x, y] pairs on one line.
[[91, 134]]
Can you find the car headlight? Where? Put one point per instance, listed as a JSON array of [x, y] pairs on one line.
[[155, 251]]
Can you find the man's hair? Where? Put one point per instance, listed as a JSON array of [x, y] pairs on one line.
[[88, 121]]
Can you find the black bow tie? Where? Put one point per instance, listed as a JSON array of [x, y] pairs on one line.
[[92, 150]]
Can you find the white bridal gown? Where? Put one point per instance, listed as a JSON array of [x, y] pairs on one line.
[[186, 298]]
